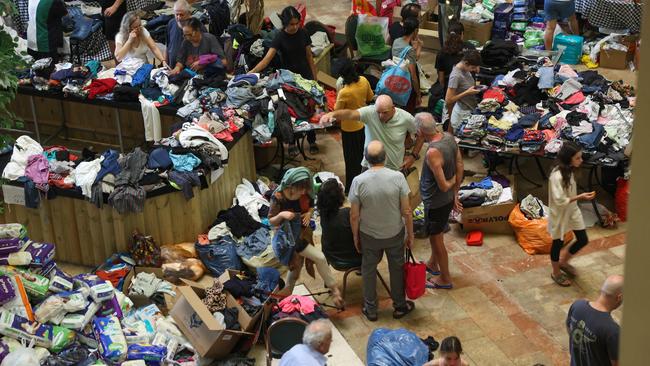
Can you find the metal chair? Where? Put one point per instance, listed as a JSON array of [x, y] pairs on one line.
[[281, 336], [350, 266]]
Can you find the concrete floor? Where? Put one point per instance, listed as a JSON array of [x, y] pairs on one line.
[[504, 307]]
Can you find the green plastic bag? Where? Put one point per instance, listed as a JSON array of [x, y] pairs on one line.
[[518, 26], [371, 35]]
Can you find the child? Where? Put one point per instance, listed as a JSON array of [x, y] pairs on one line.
[[564, 214], [450, 352], [293, 202]]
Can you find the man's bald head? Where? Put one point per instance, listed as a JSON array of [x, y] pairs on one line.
[[385, 108], [375, 154], [613, 286]]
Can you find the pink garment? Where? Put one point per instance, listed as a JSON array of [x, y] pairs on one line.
[[38, 169], [559, 124], [303, 304], [208, 59], [566, 70], [576, 98], [549, 135]]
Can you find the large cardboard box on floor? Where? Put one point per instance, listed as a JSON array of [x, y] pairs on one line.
[[204, 332], [490, 219], [613, 59], [481, 32], [141, 300]]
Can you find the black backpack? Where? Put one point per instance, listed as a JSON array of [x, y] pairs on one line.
[[219, 13]]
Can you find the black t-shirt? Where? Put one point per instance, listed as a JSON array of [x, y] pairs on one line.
[[593, 335], [445, 62], [337, 238], [395, 31], [292, 49]]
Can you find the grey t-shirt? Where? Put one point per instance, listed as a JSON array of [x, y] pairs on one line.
[[209, 44], [391, 133], [399, 45], [461, 81], [378, 192], [593, 335]]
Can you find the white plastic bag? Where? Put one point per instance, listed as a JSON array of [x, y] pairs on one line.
[[23, 356]]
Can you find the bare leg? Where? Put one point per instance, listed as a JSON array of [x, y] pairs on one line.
[[573, 23], [432, 262], [442, 258], [548, 35]]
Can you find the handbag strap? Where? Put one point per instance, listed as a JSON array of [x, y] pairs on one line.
[[402, 55], [409, 256]]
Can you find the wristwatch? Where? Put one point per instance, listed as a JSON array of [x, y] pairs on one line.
[[414, 155]]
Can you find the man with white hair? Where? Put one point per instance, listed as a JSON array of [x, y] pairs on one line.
[[316, 341], [388, 124], [182, 13], [442, 174], [593, 333]]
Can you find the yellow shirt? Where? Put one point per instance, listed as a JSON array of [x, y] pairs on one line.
[[354, 96]]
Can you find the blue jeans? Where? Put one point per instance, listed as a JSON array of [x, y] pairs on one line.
[[558, 10]]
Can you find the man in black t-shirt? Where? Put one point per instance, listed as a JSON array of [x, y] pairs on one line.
[[593, 333]]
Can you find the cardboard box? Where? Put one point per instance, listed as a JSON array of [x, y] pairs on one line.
[[481, 32], [140, 300], [204, 332], [490, 219], [613, 59], [430, 39]]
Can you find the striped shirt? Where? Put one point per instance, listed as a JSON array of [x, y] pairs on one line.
[[44, 29]]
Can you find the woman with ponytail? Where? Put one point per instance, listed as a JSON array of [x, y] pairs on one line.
[[452, 52]]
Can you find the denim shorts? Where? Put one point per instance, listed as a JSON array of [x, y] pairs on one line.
[[558, 10]]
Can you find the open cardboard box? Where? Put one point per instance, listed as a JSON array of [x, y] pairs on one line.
[[205, 333], [481, 32], [493, 218], [140, 300]]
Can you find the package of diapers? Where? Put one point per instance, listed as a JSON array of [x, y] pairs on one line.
[[35, 285], [8, 231], [7, 289], [42, 253], [19, 303], [111, 341], [60, 281], [16, 259], [152, 355], [11, 245]]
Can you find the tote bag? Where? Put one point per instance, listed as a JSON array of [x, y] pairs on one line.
[[396, 82], [415, 276]]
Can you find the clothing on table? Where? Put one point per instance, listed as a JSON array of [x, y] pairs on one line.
[[593, 335], [239, 221], [458, 115], [132, 165], [564, 216], [44, 28], [189, 54], [293, 49], [302, 354], [184, 162], [37, 169], [372, 250], [336, 239], [139, 51], [184, 181], [431, 194], [85, 174], [392, 133], [151, 119], [378, 192], [255, 243], [99, 87], [127, 198]]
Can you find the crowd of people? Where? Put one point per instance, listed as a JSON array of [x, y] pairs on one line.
[[374, 139]]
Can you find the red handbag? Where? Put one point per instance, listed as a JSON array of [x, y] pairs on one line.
[[415, 276]]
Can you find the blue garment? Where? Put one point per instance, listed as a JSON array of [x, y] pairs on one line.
[[243, 79], [93, 66], [185, 181], [591, 140], [284, 241], [485, 183], [546, 78], [254, 244], [515, 133], [109, 165], [32, 197], [141, 77], [545, 122], [219, 255], [529, 120], [159, 159], [267, 279], [301, 354], [184, 162]]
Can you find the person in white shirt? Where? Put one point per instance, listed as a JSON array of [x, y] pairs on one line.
[[134, 41], [315, 344]]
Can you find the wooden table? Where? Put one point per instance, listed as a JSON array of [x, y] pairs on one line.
[[86, 235]]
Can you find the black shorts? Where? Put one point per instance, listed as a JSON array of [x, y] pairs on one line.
[[437, 219]]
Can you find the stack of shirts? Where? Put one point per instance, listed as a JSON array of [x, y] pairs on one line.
[[532, 141], [472, 131]]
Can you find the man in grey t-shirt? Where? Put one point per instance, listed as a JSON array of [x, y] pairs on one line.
[[380, 209]]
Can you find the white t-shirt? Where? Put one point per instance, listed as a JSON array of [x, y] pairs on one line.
[[135, 52]]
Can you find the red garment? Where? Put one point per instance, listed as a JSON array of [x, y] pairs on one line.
[[224, 136], [576, 98], [100, 86], [549, 135], [233, 127], [495, 93], [330, 95], [303, 304]]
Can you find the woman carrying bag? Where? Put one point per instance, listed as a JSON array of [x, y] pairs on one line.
[[405, 49]]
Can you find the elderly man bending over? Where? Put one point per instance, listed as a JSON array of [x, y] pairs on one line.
[[315, 344]]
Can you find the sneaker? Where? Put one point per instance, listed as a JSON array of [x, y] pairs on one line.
[[369, 316]]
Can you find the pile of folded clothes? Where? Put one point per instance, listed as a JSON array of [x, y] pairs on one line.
[[491, 190]]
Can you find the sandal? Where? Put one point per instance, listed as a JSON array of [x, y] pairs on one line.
[[432, 284], [400, 313], [561, 280], [432, 272], [569, 270], [370, 317]]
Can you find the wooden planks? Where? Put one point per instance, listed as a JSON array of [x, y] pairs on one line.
[[87, 235]]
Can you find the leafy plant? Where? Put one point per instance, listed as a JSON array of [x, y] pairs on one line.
[[9, 62]]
